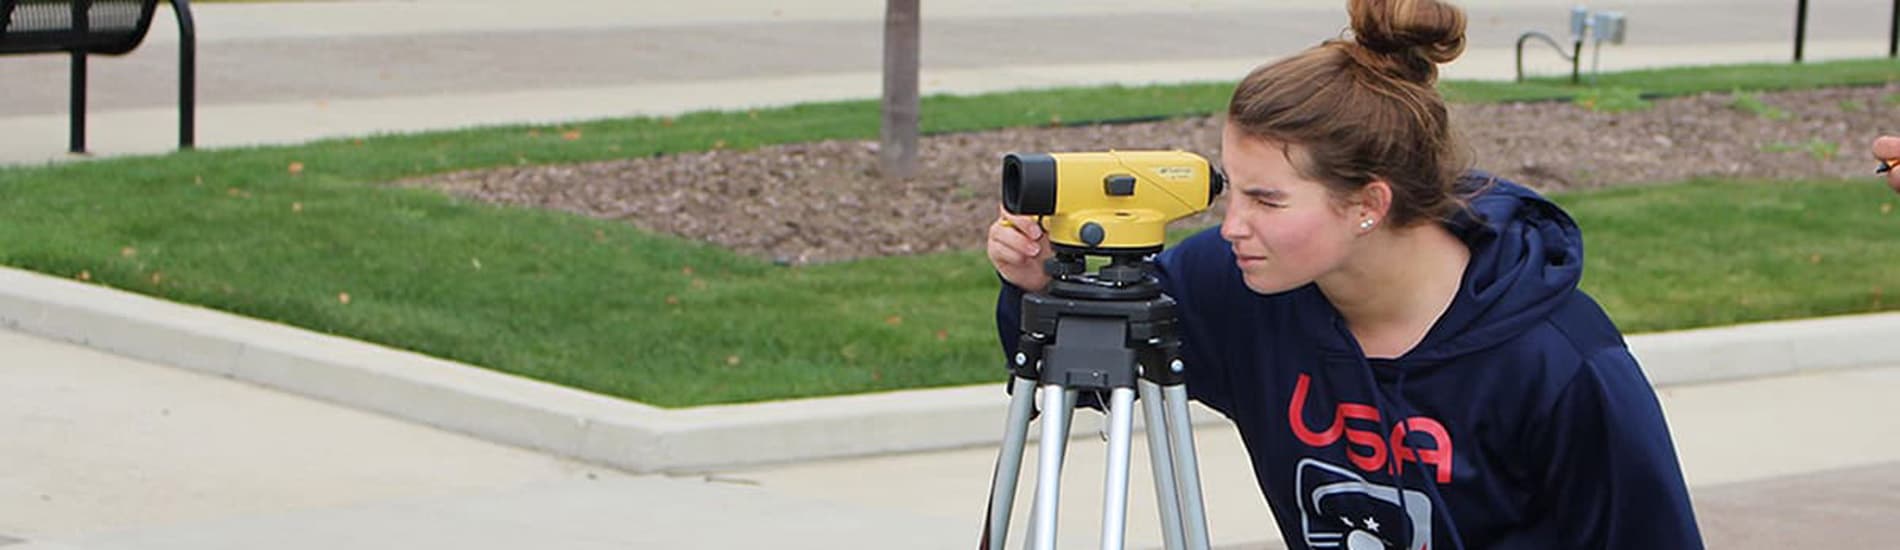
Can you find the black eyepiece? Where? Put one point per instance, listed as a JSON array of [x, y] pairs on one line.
[[1029, 184], [1216, 182]]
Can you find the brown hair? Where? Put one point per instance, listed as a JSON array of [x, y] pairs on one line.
[[1364, 107]]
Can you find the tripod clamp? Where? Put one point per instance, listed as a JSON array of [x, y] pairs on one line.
[[1108, 334]]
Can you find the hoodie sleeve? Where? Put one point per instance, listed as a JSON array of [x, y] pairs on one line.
[[1009, 314], [1610, 472], [1184, 276]]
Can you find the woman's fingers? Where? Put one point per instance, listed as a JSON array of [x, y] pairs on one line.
[[1025, 224], [1017, 247], [1015, 240], [1887, 148]]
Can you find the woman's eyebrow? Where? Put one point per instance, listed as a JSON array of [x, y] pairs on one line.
[[1263, 193]]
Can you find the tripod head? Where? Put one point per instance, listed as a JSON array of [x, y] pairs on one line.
[[1126, 276]]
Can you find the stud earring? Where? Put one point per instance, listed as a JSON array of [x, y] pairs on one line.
[[1365, 224]]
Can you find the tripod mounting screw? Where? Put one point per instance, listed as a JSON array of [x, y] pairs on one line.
[[1021, 358], [1176, 366]]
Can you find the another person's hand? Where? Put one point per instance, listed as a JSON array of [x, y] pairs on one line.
[[1887, 149], [1017, 247]]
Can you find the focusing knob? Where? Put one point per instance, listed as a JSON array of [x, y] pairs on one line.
[[1122, 274], [1093, 234]]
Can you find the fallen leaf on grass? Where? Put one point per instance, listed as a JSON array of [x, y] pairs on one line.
[[296, 168], [894, 320], [343, 297], [85, 275], [571, 135]]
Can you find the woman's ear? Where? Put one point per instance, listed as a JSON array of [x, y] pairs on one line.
[[1375, 197]]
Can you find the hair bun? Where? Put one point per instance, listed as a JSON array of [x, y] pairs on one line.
[[1413, 36]]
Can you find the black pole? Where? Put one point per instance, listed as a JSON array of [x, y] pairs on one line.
[[1893, 31], [1576, 61], [1800, 28], [82, 24], [188, 74]]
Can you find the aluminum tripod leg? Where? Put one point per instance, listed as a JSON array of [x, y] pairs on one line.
[[1009, 465], [1058, 406], [1161, 460], [1121, 423], [1187, 469]]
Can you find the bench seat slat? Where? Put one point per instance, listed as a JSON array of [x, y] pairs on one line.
[[115, 26]]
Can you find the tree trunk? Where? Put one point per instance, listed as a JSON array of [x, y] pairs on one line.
[[897, 151]]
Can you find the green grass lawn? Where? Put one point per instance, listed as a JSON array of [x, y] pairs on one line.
[[309, 236], [1719, 252]]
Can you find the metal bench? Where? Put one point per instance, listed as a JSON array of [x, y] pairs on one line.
[[107, 27]]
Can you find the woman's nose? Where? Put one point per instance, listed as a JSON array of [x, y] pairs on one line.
[[1231, 226]]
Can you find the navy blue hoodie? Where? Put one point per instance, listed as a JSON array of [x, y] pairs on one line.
[[1526, 421]]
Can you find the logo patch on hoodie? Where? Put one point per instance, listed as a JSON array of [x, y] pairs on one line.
[[1340, 509]]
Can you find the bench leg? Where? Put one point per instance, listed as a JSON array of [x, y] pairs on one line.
[[187, 74], [82, 24]]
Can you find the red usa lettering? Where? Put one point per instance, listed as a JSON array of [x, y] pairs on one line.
[[1368, 450]]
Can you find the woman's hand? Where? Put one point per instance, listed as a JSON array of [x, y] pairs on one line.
[[1018, 246], [1887, 150]]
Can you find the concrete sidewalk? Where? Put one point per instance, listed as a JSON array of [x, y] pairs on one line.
[[108, 453]]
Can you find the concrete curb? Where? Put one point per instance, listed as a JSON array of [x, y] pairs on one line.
[[641, 438]]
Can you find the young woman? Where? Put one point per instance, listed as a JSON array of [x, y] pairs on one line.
[[1401, 343]]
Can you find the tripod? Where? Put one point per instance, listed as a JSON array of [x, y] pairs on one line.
[[1114, 331]]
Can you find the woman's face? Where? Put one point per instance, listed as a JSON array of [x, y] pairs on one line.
[[1285, 230]]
